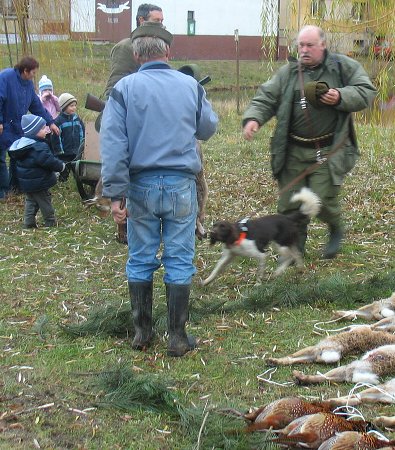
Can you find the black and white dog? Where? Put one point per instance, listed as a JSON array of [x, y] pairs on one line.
[[250, 237]]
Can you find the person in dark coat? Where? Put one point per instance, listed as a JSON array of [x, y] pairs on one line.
[[35, 170], [17, 97], [121, 56]]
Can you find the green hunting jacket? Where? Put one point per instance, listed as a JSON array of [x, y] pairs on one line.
[[122, 63], [276, 96]]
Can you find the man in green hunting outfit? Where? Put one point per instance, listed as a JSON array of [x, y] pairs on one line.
[[122, 60], [313, 99]]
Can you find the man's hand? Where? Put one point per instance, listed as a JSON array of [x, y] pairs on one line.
[[119, 215], [54, 129], [1, 128], [250, 128], [331, 98]]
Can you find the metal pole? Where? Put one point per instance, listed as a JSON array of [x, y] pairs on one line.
[[237, 71]]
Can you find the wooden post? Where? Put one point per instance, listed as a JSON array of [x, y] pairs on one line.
[[237, 71]]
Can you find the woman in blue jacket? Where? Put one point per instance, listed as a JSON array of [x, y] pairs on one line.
[[17, 97]]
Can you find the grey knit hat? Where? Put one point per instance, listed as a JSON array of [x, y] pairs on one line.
[[32, 124], [65, 100]]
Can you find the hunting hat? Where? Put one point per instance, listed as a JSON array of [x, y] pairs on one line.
[[153, 29], [65, 100], [45, 83], [31, 125], [313, 91]]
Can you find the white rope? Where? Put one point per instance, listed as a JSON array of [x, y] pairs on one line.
[[379, 435], [270, 372], [368, 385], [333, 321]]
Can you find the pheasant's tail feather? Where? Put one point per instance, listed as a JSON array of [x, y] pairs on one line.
[[296, 438]]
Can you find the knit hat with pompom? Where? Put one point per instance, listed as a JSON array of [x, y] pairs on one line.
[[45, 84]]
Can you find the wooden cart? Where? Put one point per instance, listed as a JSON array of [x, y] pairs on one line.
[[87, 168]]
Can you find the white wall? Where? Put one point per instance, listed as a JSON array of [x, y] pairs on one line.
[[213, 17]]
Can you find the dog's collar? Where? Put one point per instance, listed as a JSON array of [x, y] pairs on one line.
[[243, 230]]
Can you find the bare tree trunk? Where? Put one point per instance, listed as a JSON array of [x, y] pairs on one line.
[[22, 13]]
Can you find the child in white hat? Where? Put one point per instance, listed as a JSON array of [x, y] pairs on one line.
[[47, 97], [68, 145]]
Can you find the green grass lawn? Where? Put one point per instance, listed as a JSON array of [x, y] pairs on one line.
[[60, 391]]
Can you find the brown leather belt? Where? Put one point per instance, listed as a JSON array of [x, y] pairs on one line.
[[320, 143]]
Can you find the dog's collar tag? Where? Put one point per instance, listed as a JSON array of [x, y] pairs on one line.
[[243, 224]]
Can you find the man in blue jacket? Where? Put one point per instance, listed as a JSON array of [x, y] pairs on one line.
[[17, 97], [148, 143]]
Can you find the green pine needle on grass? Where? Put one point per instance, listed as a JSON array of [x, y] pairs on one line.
[[335, 289], [127, 391], [109, 320], [122, 389], [112, 320]]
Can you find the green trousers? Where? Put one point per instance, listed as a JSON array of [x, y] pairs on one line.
[[319, 181]]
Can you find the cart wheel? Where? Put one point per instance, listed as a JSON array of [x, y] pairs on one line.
[[86, 191]]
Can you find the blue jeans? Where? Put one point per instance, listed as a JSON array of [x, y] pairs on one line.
[[4, 181], [161, 209]]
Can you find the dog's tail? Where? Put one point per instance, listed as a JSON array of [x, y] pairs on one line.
[[311, 203]]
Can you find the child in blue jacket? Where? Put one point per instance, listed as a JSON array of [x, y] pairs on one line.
[[67, 145], [35, 170]]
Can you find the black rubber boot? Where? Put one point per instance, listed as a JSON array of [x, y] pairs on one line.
[[141, 301], [336, 234], [177, 306]]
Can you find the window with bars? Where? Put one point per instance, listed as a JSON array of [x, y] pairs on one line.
[[318, 8], [191, 23], [7, 8], [358, 11], [10, 8]]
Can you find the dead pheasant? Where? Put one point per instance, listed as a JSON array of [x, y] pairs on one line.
[[312, 430], [278, 414], [352, 440]]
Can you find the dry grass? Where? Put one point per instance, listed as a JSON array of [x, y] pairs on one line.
[[49, 392]]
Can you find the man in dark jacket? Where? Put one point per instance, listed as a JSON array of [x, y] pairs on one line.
[[17, 97], [35, 169], [122, 60], [313, 99]]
